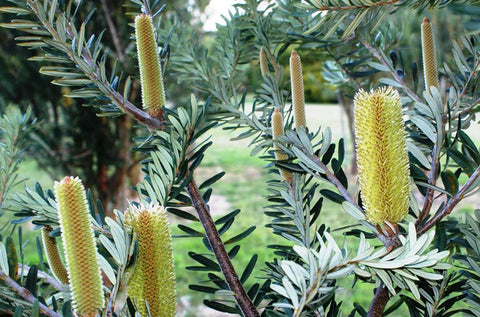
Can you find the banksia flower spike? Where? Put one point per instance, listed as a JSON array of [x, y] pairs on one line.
[[263, 62], [53, 255], [298, 95], [430, 71], [153, 93], [153, 280], [382, 156], [277, 130], [80, 248]]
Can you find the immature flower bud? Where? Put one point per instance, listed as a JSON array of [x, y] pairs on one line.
[[53, 256], [430, 71], [298, 95], [153, 93], [277, 130], [80, 248], [263, 62], [382, 156], [153, 280]]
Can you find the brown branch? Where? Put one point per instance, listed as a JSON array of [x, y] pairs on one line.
[[26, 295], [356, 7], [432, 180], [333, 179], [464, 111], [379, 302], [377, 55], [447, 209], [243, 301], [46, 277]]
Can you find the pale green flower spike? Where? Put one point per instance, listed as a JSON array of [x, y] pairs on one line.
[[263, 62], [382, 155], [153, 93], [53, 256], [153, 280], [80, 248], [430, 71], [298, 94]]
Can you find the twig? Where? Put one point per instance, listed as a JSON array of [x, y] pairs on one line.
[[26, 295], [464, 111], [43, 275], [377, 55], [447, 209], [356, 7], [333, 179], [464, 91], [432, 179], [231, 277]]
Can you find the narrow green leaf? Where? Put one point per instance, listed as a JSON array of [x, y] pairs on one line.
[[240, 236], [31, 282], [248, 269]]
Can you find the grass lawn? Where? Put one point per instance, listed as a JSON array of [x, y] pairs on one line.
[[243, 187]]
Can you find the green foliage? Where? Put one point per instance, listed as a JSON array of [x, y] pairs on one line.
[[14, 129], [301, 277]]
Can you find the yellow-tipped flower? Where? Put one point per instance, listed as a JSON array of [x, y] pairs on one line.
[[80, 248], [263, 62], [53, 256], [430, 71], [382, 156], [277, 130], [153, 93], [298, 95], [153, 280]]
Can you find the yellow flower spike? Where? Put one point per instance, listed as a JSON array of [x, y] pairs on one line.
[[430, 71], [80, 248], [277, 130], [53, 255], [263, 62], [153, 93], [153, 279], [298, 95], [382, 156]]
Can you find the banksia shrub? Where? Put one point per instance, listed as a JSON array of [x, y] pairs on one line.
[[382, 156], [80, 248], [153, 280], [277, 130], [298, 95], [53, 256], [430, 71], [153, 93]]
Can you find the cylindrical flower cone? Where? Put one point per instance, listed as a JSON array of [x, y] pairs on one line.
[[277, 130], [382, 155], [153, 280], [53, 256], [153, 93], [80, 248], [263, 62], [298, 94], [430, 71]]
